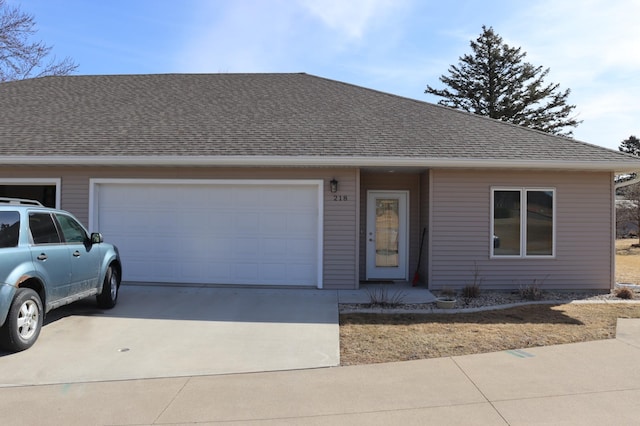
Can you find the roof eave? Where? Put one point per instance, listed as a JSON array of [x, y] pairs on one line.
[[317, 161]]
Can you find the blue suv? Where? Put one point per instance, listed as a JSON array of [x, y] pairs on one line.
[[48, 259]]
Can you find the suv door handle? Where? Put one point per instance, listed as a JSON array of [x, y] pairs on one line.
[[76, 253], [42, 257]]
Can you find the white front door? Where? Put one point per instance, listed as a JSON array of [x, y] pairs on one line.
[[387, 235]]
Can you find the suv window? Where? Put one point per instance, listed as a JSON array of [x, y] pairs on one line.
[[9, 229], [43, 230], [73, 232]]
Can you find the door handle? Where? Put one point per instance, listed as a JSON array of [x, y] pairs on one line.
[[76, 253], [42, 257]]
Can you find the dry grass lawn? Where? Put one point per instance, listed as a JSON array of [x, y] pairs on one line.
[[372, 338], [627, 261]]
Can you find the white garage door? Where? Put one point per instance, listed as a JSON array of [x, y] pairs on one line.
[[213, 232]]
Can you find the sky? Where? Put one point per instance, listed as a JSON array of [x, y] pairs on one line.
[[592, 47]]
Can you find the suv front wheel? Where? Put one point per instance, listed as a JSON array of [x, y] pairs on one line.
[[109, 296], [24, 321]]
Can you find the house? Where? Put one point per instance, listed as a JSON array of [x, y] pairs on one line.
[[296, 180]]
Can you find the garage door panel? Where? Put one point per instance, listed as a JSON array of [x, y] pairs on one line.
[[218, 223], [247, 223], [244, 273], [219, 272], [301, 272], [273, 223], [264, 234], [302, 249], [300, 223], [243, 247], [274, 248]]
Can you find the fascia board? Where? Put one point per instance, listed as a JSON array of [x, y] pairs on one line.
[[317, 161]]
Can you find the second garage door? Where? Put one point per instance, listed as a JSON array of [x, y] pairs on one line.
[[213, 232]]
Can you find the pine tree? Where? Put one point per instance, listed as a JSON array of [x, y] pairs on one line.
[[494, 81], [631, 146]]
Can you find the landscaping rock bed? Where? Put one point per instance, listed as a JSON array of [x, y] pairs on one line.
[[498, 300]]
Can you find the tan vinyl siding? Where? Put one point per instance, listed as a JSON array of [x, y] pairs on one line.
[[424, 224], [340, 216], [393, 182], [461, 231]]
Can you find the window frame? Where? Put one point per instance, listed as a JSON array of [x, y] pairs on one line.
[[523, 190]]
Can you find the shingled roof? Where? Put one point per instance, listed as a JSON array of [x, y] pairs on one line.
[[251, 119]]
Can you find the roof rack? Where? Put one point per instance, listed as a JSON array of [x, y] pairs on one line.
[[20, 201]]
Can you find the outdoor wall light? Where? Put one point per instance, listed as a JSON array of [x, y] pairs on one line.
[[334, 185]]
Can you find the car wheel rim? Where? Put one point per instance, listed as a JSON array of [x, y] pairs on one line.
[[114, 286], [28, 320]]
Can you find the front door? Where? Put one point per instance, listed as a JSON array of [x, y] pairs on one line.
[[387, 235]]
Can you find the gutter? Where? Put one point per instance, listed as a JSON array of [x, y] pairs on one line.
[[618, 167]]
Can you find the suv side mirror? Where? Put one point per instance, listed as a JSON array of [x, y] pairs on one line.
[[96, 238]]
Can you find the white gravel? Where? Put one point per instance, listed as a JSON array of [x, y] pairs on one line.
[[500, 300]]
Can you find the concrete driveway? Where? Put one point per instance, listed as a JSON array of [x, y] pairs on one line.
[[158, 331]]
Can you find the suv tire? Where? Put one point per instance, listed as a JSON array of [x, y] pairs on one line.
[[24, 321], [109, 296]]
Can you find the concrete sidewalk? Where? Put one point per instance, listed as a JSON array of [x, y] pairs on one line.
[[591, 383]]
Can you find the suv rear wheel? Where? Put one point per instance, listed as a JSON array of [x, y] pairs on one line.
[[24, 321]]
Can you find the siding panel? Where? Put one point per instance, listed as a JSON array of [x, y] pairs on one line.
[[461, 231], [340, 217]]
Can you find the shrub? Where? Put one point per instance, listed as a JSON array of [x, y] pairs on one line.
[[447, 293], [380, 297], [623, 293], [531, 292], [471, 291]]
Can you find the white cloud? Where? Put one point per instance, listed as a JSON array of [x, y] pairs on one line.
[[239, 36], [596, 37], [350, 17], [591, 48], [282, 35]]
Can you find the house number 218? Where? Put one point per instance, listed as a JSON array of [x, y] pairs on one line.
[[340, 198]]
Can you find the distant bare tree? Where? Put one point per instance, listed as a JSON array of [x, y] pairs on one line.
[[628, 210], [20, 57]]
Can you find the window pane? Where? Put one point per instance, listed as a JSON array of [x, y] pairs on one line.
[[72, 230], [46, 194], [9, 229], [539, 223], [43, 230], [506, 223]]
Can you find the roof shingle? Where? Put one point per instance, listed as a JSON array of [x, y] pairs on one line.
[[288, 115]]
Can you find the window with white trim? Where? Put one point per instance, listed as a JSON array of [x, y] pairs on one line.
[[523, 222]]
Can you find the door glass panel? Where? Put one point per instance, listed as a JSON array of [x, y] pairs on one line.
[[387, 231]]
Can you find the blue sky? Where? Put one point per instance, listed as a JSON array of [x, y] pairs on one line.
[[395, 46]]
